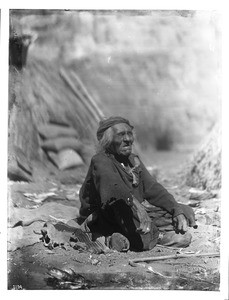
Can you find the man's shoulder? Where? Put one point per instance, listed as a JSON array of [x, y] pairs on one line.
[[100, 157]]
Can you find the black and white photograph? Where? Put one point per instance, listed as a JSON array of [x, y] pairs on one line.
[[114, 149]]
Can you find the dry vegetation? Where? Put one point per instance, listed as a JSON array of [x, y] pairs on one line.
[[161, 70], [204, 171]]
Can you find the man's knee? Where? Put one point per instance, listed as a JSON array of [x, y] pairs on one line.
[[176, 240]]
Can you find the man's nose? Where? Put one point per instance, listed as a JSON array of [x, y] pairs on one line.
[[126, 137]]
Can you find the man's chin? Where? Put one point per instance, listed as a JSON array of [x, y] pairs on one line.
[[126, 152]]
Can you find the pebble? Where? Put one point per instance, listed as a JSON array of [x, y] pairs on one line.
[[94, 261]]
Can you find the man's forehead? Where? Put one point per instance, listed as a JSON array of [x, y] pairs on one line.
[[121, 127]]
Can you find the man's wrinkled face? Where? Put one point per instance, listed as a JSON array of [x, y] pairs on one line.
[[122, 139]]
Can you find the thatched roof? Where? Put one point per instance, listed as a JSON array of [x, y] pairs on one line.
[[48, 93]]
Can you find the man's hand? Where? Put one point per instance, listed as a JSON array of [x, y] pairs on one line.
[[145, 221], [180, 223], [189, 214]]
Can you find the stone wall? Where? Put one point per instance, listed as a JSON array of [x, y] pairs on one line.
[[161, 69]]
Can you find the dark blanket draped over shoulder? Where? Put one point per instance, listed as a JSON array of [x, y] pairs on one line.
[[108, 181]]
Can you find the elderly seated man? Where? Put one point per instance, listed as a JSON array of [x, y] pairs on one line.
[[114, 192]]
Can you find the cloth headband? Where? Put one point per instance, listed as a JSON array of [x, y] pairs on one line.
[[107, 123]]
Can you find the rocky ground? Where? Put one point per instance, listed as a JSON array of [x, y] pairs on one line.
[[133, 73], [29, 264]]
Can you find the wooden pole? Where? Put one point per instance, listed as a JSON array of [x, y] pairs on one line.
[[134, 262]]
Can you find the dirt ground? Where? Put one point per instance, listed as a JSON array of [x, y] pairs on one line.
[[29, 266]]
